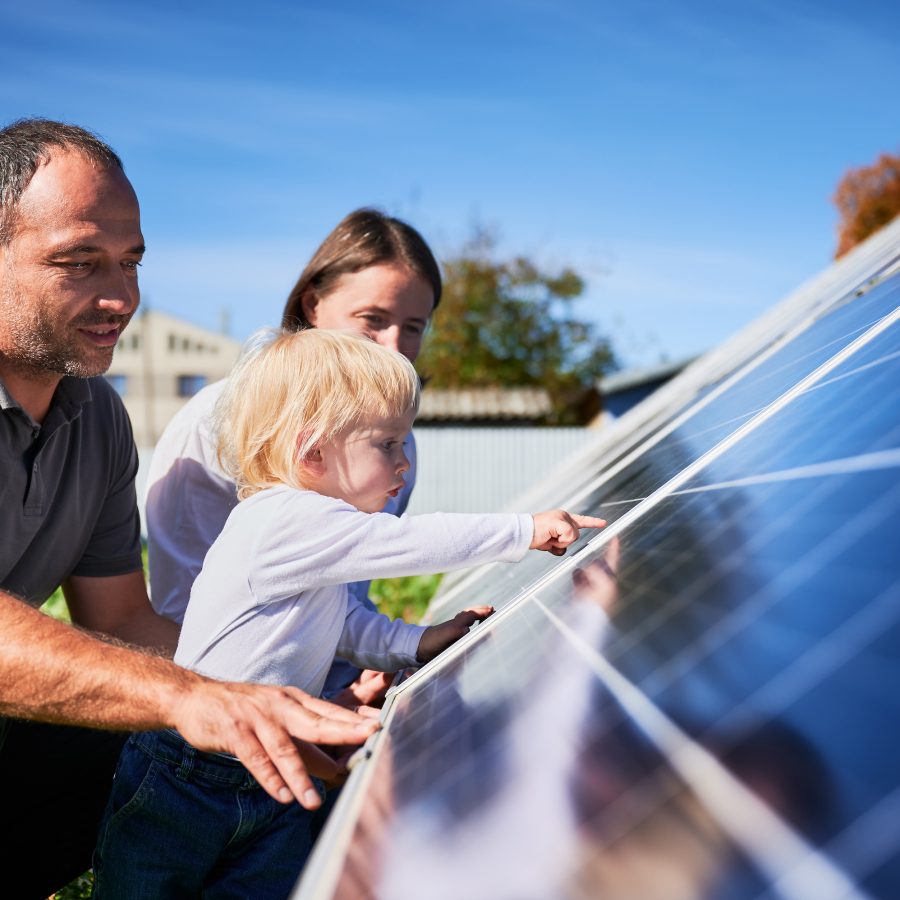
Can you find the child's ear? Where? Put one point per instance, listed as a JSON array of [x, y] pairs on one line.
[[311, 460]]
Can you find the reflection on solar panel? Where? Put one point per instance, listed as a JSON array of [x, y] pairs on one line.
[[701, 700]]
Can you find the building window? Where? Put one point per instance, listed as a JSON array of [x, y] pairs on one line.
[[171, 343], [188, 385], [119, 383]]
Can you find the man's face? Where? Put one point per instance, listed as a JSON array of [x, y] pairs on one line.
[[68, 277]]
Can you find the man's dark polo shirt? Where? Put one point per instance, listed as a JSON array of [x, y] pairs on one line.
[[67, 496]]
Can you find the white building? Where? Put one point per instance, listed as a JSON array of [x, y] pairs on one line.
[[160, 363]]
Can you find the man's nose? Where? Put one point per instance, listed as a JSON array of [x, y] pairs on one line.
[[119, 293]]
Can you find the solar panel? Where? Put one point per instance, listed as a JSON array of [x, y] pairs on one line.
[[699, 701], [712, 414]]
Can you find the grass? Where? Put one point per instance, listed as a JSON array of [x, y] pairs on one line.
[[56, 607], [404, 598], [79, 889]]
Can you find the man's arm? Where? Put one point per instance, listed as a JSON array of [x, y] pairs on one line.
[[56, 673], [119, 606]]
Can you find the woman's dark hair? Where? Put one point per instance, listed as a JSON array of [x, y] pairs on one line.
[[366, 237]]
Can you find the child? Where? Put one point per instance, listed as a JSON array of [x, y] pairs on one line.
[[311, 427]]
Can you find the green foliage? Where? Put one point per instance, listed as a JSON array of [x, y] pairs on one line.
[[404, 598], [79, 889], [56, 606], [510, 324]]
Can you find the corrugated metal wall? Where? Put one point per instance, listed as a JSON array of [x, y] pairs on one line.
[[470, 469], [485, 469]]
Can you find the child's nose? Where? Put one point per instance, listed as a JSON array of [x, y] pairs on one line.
[[403, 465]]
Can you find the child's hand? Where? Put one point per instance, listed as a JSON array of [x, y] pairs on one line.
[[437, 638], [556, 529], [368, 690]]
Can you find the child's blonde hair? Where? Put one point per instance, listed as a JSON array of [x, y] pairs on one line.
[[292, 391]]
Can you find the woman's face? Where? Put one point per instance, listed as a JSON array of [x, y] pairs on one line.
[[387, 303]]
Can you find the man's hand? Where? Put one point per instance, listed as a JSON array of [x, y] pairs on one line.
[[51, 672], [439, 637], [271, 730], [555, 529]]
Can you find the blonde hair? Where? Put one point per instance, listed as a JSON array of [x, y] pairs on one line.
[[292, 391]]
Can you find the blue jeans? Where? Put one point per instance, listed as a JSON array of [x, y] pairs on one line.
[[182, 823]]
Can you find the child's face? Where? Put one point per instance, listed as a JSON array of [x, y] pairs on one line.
[[364, 467]]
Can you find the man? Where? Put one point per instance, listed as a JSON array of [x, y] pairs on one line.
[[70, 248]]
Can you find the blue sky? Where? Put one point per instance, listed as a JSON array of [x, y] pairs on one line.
[[682, 157]]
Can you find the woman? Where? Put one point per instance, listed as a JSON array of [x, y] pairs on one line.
[[374, 275]]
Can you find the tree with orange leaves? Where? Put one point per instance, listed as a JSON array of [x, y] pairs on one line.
[[867, 198]]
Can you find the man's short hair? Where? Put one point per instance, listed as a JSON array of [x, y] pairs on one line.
[[25, 144]]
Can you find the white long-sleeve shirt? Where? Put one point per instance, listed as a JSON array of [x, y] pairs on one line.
[[271, 603]]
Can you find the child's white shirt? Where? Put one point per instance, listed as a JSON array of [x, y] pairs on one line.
[[271, 604]]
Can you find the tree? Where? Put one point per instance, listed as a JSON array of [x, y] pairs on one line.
[[511, 324], [867, 198]]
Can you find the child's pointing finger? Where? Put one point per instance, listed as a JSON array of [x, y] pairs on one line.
[[588, 521]]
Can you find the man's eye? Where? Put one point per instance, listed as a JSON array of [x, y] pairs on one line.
[[373, 319], [414, 329], [132, 265]]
